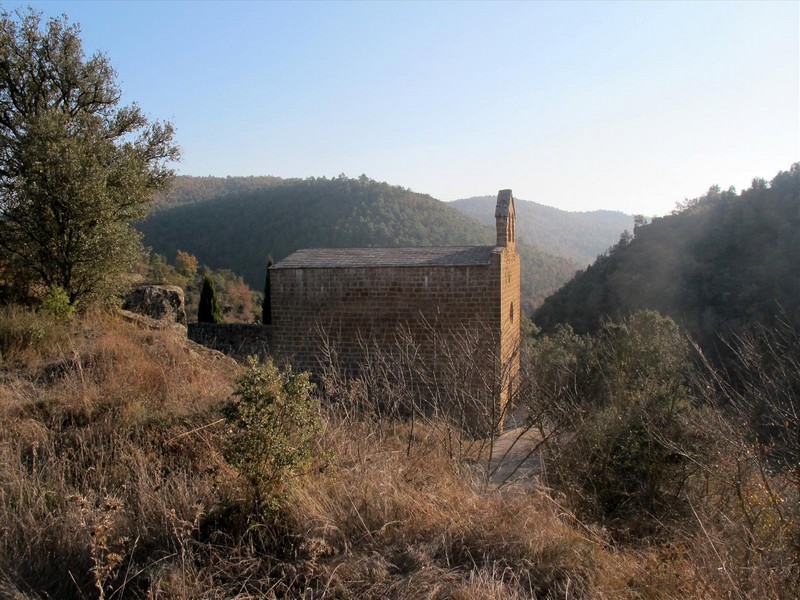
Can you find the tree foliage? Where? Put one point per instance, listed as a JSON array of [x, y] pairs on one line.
[[238, 303], [719, 263], [75, 167], [266, 304], [190, 189], [185, 264]]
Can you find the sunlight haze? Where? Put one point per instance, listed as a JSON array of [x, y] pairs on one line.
[[581, 106]]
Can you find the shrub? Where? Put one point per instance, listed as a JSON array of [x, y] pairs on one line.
[[272, 428], [630, 441], [57, 304]]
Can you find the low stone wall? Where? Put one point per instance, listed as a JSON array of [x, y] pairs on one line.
[[238, 340]]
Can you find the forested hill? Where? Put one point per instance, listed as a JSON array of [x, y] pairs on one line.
[[238, 231], [720, 262], [579, 236], [187, 189]]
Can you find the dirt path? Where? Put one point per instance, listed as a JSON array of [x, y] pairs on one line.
[[515, 459]]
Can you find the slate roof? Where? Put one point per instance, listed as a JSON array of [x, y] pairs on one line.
[[431, 256]]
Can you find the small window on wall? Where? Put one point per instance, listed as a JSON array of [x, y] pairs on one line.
[[511, 312]]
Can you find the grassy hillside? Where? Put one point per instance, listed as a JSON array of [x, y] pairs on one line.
[[135, 464], [725, 261], [579, 236], [239, 230], [117, 479]]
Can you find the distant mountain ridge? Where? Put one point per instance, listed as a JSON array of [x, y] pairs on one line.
[[579, 236], [237, 230]]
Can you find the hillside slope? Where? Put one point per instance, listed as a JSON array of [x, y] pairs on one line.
[[579, 236], [239, 230], [188, 189], [119, 479], [128, 469], [725, 261]]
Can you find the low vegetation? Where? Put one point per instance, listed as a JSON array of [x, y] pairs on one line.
[[120, 478]]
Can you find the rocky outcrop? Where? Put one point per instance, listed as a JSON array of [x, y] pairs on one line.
[[160, 302]]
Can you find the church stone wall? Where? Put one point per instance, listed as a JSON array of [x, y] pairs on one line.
[[351, 305], [510, 325], [459, 306], [351, 309]]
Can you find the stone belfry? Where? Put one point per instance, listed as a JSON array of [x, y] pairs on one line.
[[505, 217]]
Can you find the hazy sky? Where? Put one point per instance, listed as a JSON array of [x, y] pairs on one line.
[[627, 106]]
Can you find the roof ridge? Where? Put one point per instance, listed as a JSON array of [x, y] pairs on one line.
[[387, 256]]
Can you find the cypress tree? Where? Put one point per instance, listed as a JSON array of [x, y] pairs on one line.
[[208, 308], [266, 304]]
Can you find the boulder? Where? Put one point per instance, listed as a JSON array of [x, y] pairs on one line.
[[160, 302]]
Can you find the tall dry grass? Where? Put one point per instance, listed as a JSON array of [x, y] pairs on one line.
[[113, 485], [393, 520], [105, 453]]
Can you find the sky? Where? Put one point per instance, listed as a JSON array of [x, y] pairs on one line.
[[602, 105]]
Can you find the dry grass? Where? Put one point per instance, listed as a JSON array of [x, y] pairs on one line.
[[389, 522], [112, 485], [99, 465]]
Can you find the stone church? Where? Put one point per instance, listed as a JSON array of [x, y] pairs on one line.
[[357, 298]]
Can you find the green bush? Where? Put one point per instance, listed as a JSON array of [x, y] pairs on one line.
[[272, 428], [629, 441], [57, 304]]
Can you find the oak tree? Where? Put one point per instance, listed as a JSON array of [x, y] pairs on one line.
[[76, 166]]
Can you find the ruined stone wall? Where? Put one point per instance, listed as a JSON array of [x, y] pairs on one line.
[[238, 340], [354, 305]]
